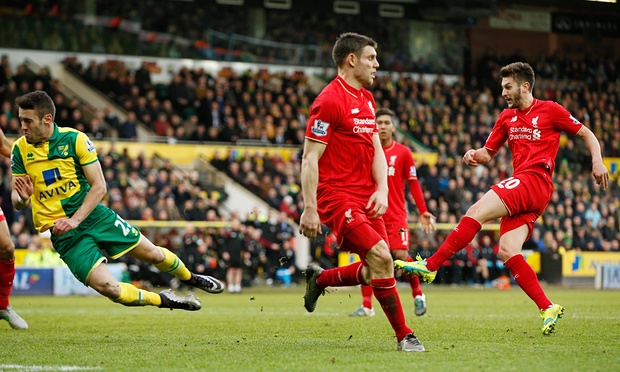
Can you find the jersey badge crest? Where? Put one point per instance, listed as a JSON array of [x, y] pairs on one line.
[[349, 216], [319, 128], [90, 147]]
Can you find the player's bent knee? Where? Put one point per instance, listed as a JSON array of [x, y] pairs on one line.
[[149, 252], [7, 252], [109, 290], [400, 254]]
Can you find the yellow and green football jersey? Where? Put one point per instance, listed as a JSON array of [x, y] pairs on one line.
[[55, 168]]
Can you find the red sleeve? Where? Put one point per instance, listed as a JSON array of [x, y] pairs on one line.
[[563, 120], [324, 115], [498, 135], [418, 195]]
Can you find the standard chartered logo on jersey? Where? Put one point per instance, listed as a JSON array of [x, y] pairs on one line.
[[358, 128], [524, 133], [53, 178]]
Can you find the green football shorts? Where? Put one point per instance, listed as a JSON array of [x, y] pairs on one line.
[[102, 229]]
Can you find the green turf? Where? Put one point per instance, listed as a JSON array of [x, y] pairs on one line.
[[267, 329]]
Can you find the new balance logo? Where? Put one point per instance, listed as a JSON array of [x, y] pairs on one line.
[[355, 111], [514, 119]]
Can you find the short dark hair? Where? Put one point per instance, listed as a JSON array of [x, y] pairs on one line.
[[384, 111], [522, 72], [38, 101], [350, 42]]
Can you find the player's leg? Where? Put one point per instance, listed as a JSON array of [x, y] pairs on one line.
[[166, 261], [488, 208], [366, 309], [7, 274], [102, 281], [79, 249], [419, 299], [380, 275], [317, 279], [383, 283], [510, 245]]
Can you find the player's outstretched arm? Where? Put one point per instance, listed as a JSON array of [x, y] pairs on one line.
[[599, 171]]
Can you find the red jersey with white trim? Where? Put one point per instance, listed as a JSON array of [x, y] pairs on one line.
[[533, 134], [401, 168], [343, 118]]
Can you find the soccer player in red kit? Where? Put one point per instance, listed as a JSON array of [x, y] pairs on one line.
[[401, 168], [344, 184], [532, 128], [7, 259]]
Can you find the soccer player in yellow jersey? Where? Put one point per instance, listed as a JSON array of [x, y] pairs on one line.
[[57, 170]]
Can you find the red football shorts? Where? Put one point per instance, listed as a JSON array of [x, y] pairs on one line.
[[355, 232], [526, 196], [2, 216], [398, 235]]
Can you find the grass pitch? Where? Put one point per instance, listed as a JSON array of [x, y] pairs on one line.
[[267, 329]]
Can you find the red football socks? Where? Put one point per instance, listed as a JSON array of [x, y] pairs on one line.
[[458, 239], [367, 296], [526, 279], [414, 281], [386, 294], [341, 276], [7, 273]]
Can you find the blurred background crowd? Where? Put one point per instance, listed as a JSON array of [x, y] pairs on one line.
[[439, 115]]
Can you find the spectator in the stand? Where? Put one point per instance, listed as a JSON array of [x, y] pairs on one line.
[[143, 77], [489, 265], [129, 128], [593, 215], [232, 252]]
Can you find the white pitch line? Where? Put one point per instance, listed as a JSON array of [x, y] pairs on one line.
[[20, 367]]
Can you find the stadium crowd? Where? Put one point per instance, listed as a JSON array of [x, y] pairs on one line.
[[272, 108], [183, 30]]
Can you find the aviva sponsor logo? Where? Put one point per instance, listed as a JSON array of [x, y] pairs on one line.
[[58, 190], [52, 176]]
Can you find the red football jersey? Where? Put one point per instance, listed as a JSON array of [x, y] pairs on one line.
[[401, 168], [343, 118], [533, 134]]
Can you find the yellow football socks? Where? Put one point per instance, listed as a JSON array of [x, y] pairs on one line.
[[132, 296], [173, 265]]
